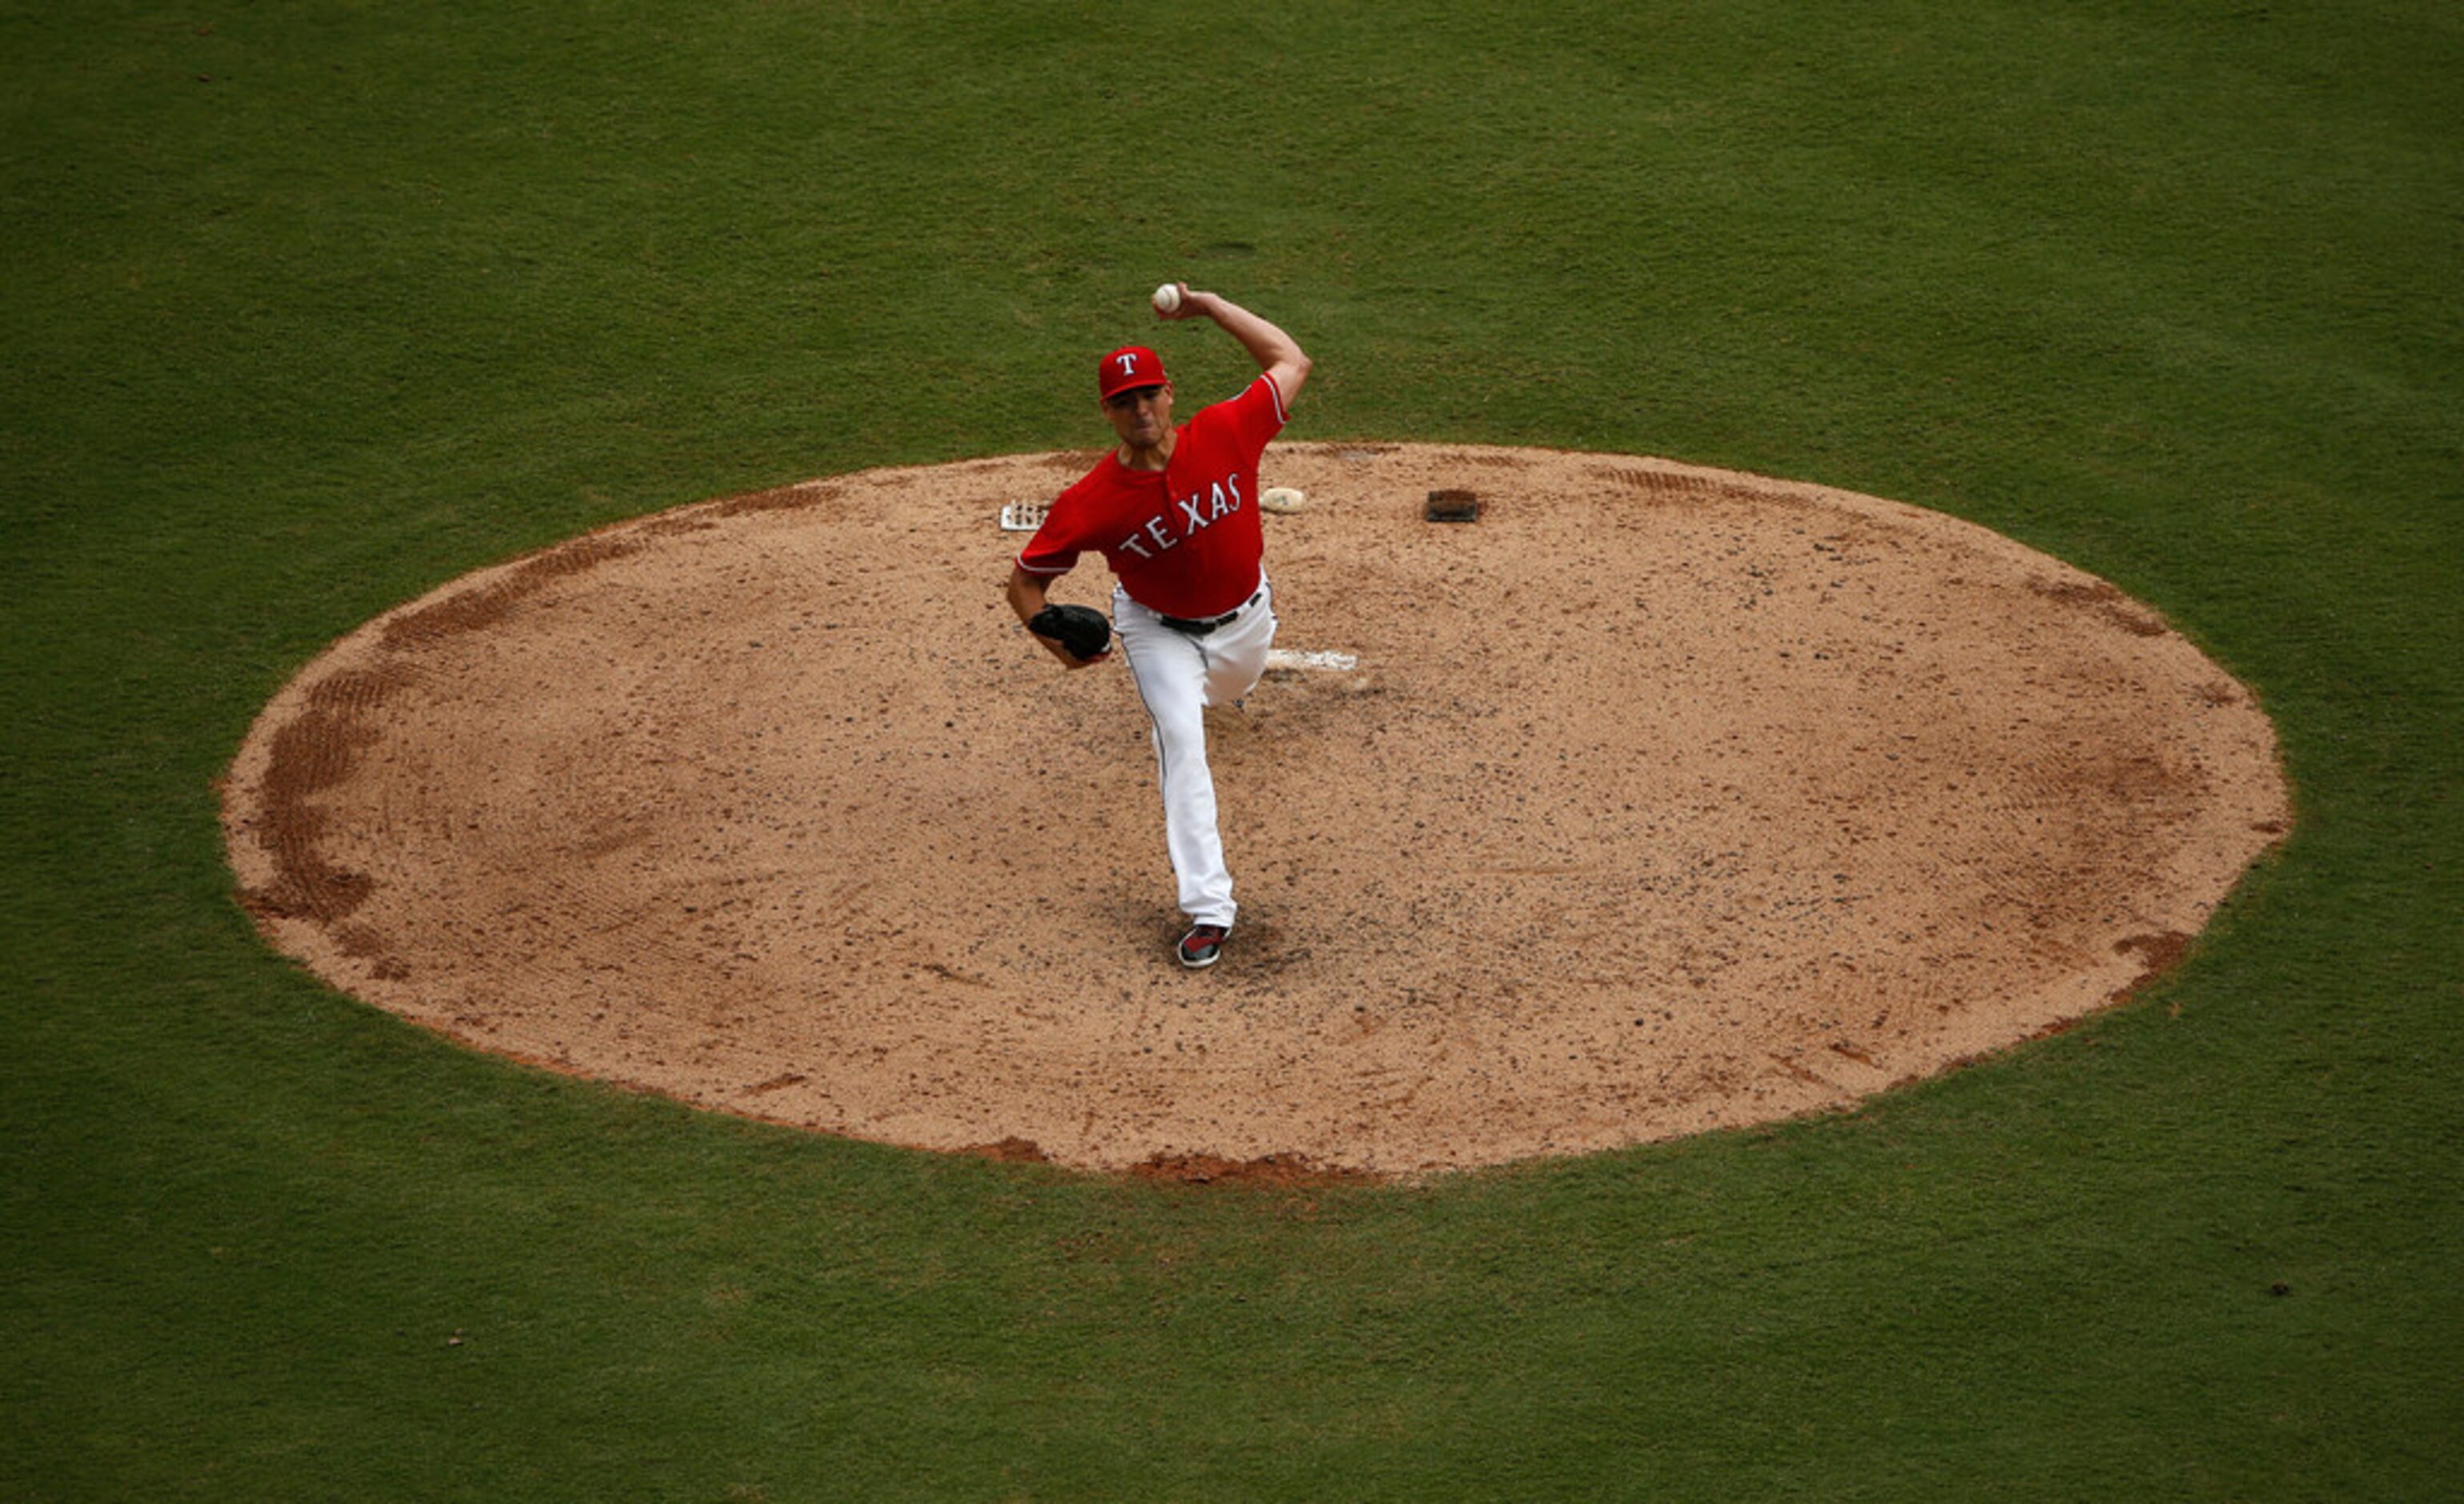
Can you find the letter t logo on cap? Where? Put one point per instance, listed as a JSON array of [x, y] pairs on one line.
[[1130, 366]]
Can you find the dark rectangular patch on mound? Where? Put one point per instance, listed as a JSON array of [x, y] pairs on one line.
[[1452, 506]]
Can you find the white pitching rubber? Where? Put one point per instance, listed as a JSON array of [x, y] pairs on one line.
[[1328, 662]]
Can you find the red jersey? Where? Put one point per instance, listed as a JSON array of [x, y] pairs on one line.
[[1185, 540]]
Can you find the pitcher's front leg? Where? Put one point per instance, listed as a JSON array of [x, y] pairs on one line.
[[1188, 825]]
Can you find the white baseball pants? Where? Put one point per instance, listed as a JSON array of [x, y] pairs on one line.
[[1177, 676]]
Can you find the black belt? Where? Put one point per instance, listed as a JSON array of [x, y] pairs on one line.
[[1200, 628]]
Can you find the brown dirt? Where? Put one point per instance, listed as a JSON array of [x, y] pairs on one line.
[[1662, 799]]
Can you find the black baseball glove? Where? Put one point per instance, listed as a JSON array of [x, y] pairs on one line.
[[1081, 630]]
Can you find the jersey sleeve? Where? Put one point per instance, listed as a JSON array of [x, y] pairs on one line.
[[1054, 550], [1258, 413], [1049, 560]]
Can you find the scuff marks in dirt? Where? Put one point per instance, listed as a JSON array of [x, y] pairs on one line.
[[314, 752], [1271, 1171], [2158, 954]]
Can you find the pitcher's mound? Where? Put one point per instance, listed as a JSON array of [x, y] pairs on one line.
[[1653, 799]]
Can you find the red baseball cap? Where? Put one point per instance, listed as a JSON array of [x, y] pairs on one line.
[[1130, 366]]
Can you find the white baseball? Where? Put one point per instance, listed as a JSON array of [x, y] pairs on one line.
[[1167, 297]]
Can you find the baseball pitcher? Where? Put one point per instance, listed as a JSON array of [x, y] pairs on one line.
[[1174, 511]]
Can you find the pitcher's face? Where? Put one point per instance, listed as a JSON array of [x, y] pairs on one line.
[[1141, 415]]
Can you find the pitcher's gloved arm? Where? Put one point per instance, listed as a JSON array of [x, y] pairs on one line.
[[1026, 598]]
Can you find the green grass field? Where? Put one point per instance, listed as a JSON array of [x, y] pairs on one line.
[[312, 305]]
